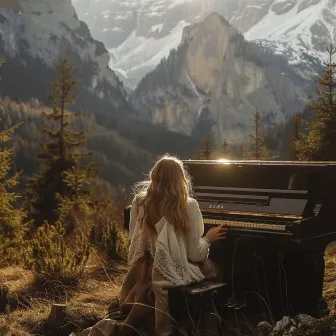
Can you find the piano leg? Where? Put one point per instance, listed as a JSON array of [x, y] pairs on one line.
[[317, 264], [305, 274]]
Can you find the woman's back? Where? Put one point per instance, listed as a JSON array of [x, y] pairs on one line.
[[175, 255], [166, 250]]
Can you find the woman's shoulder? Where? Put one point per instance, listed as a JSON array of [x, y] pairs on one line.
[[191, 200], [137, 200], [192, 203]]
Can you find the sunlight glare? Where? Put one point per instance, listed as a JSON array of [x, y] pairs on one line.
[[225, 161]]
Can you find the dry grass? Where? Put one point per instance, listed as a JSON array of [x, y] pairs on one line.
[[15, 278], [88, 303], [330, 277]]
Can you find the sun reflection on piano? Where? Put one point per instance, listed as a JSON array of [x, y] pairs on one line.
[[224, 161]]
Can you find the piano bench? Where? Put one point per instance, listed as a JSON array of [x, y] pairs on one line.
[[192, 304]]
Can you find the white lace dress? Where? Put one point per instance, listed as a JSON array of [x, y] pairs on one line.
[[173, 255]]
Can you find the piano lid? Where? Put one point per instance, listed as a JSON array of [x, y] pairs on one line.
[[265, 163], [263, 185], [282, 175]]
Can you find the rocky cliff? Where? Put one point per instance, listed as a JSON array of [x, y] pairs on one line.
[[215, 79]]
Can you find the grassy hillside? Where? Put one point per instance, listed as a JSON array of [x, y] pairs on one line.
[[88, 304]]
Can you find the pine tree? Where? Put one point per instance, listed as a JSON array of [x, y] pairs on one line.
[[198, 155], [319, 140], [57, 155], [105, 235], [29, 198], [297, 121], [225, 150], [75, 211], [207, 148], [257, 149], [12, 226]]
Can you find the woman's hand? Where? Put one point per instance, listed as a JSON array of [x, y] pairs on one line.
[[216, 233]]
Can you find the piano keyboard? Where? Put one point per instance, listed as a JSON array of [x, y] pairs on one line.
[[246, 225]]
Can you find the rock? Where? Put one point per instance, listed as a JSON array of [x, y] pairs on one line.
[[293, 322], [282, 325], [291, 331], [264, 328], [304, 320]]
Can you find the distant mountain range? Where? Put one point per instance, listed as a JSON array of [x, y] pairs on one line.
[[139, 33]]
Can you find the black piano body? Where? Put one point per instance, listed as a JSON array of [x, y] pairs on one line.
[[281, 217]]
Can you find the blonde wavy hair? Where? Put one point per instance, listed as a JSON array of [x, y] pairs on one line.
[[165, 194]]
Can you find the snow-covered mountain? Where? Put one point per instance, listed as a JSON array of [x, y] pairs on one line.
[[139, 33], [215, 80], [36, 37], [296, 28]]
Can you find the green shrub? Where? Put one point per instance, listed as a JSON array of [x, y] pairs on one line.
[[53, 259], [12, 226], [109, 239]]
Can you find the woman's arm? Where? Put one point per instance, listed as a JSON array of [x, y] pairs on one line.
[[198, 247]]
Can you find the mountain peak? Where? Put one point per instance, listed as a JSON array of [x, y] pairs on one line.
[[214, 82], [216, 17], [214, 27]]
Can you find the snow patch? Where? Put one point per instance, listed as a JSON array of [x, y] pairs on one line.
[[157, 28], [138, 51], [291, 30]]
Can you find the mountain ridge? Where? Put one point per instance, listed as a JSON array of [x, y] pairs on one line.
[[215, 80], [31, 41], [156, 27]]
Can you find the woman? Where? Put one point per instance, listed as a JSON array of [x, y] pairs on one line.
[[166, 250]]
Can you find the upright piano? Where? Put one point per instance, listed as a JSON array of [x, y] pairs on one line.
[[281, 217]]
